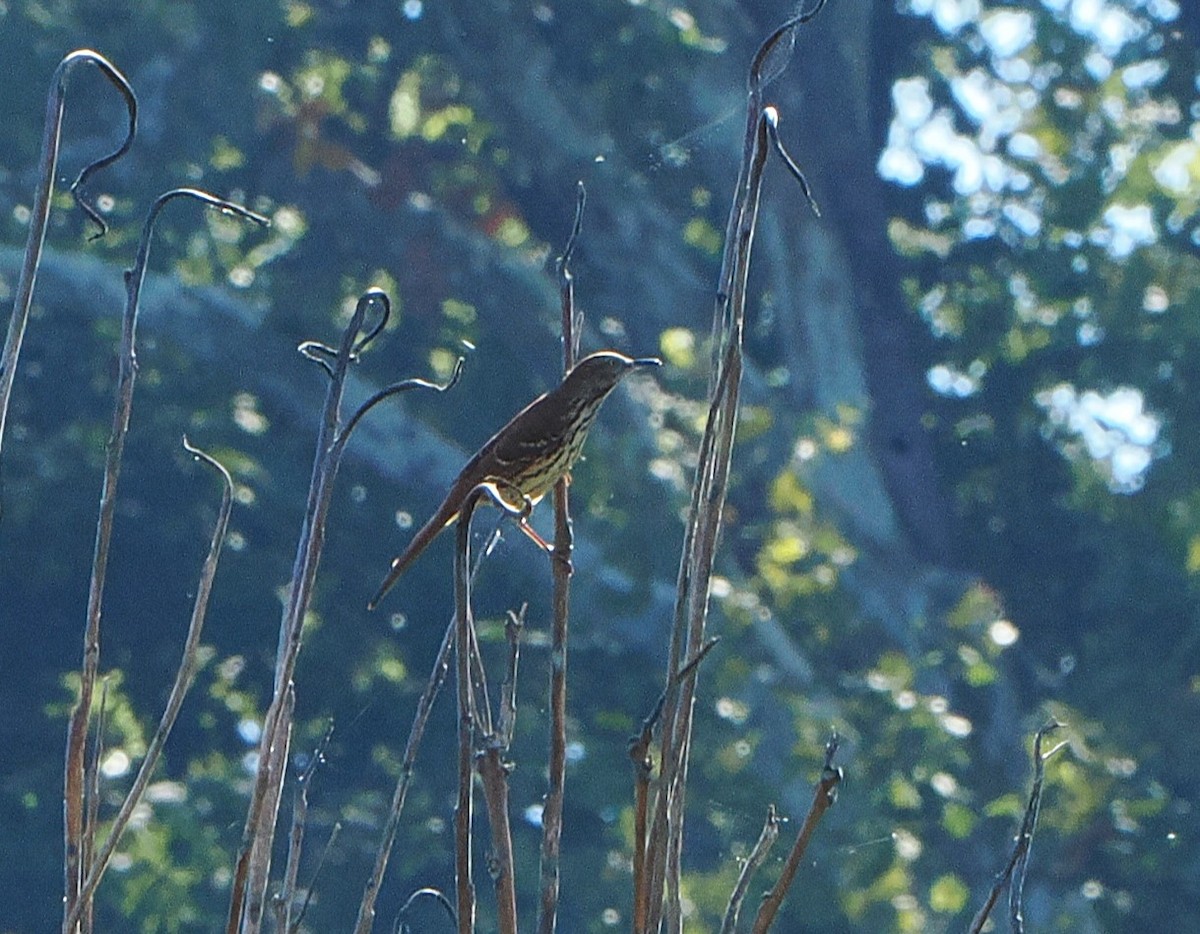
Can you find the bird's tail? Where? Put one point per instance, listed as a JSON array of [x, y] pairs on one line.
[[428, 532], [398, 566]]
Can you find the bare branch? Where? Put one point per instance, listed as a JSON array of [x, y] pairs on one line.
[[824, 797], [1020, 854], [753, 863], [42, 196], [564, 544], [122, 407], [185, 674]]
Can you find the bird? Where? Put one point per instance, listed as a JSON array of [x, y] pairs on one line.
[[525, 458]]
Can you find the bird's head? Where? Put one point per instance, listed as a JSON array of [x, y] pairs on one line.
[[601, 371]]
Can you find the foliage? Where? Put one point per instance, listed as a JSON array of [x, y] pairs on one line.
[[1053, 262]]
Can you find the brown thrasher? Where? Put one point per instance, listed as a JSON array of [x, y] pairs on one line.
[[526, 457]]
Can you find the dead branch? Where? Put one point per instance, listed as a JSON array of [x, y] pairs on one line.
[[1018, 859], [564, 543], [77, 730], [824, 795], [42, 196], [705, 516], [184, 676]]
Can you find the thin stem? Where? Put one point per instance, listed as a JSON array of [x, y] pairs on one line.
[[1020, 853], [467, 720], [40, 212], [493, 772], [437, 677], [285, 899], [639, 753], [123, 406], [184, 676], [564, 543], [758, 856], [824, 796]]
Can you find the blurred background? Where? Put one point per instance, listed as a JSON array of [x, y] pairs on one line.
[[964, 496]]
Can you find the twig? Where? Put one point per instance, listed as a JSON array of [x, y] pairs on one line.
[[184, 676], [572, 320], [42, 196], [437, 677], [639, 753], [1018, 859], [254, 859], [824, 796], [127, 374], [564, 543], [437, 895], [286, 896], [709, 488], [772, 117], [312, 885], [467, 722], [753, 863]]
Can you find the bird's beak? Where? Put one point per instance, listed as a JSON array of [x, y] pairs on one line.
[[647, 361]]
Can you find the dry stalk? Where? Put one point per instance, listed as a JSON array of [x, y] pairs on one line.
[[184, 676], [662, 863], [75, 830], [1014, 870], [252, 870], [284, 901], [40, 213], [464, 807], [437, 677], [824, 795], [758, 856], [552, 810]]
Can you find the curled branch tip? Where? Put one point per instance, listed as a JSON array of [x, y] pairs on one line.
[[123, 87], [770, 60], [576, 228], [771, 119], [371, 297], [437, 895], [1038, 756], [389, 391], [211, 200], [206, 458], [135, 276], [322, 354]]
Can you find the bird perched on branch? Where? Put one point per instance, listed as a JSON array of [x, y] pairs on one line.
[[526, 457]]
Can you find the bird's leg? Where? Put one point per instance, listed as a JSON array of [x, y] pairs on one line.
[[507, 495], [523, 524]]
